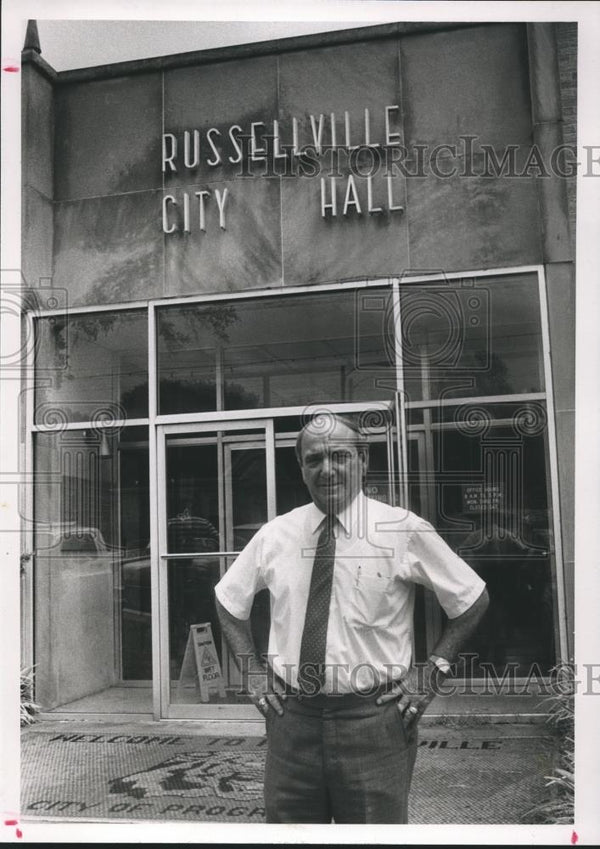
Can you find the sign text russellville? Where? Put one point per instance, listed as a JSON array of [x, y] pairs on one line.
[[340, 151]]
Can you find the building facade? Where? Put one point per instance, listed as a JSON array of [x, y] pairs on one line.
[[217, 245]]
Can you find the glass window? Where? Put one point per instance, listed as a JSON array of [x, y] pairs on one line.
[[468, 337], [188, 341], [491, 505], [135, 597], [92, 561], [92, 365], [276, 352]]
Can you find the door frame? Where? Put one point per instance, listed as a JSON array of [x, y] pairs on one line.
[[193, 433]]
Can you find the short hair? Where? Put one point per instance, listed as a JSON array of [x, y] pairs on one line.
[[324, 423]]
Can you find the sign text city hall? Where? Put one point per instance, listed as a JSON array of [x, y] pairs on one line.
[[301, 154]]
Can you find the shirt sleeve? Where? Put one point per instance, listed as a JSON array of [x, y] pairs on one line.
[[243, 579], [432, 563]]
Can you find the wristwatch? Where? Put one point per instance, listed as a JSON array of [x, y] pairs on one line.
[[442, 664]]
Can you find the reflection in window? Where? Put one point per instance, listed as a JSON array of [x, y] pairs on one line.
[[492, 507], [92, 560], [192, 498], [459, 338], [94, 363], [472, 337], [276, 352]]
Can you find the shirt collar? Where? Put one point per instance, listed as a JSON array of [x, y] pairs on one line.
[[347, 518]]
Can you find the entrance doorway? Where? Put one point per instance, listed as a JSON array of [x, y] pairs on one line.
[[221, 482]]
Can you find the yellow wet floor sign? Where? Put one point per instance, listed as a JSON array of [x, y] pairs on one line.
[[201, 668]]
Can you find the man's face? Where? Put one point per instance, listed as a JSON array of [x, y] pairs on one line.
[[332, 467]]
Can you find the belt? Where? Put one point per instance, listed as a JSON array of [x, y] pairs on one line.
[[332, 701]]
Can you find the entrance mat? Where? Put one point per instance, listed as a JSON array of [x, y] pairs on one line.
[[478, 775]]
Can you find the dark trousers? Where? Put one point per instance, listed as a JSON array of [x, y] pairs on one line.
[[340, 758]]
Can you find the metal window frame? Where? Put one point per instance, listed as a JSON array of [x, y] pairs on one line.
[[277, 291], [157, 594], [154, 420], [559, 565], [28, 535]]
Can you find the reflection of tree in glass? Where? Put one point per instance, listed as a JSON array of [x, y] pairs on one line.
[[65, 333], [182, 326], [80, 328], [196, 395], [196, 328], [494, 379]]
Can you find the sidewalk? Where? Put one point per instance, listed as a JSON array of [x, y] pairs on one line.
[[468, 771]]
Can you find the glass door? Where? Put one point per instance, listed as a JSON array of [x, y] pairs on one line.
[[220, 482], [217, 491], [245, 512]]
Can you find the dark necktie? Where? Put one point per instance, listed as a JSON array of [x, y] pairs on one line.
[[311, 671]]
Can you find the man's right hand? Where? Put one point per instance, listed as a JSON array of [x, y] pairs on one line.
[[264, 695], [255, 676]]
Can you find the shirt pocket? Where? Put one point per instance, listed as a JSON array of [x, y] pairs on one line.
[[371, 603]]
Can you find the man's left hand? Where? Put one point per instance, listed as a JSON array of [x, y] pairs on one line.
[[413, 693]]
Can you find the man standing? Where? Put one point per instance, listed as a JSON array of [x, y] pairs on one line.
[[340, 698]]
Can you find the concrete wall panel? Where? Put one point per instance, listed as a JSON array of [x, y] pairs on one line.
[[354, 245], [560, 284], [445, 83], [108, 137], [246, 255], [349, 78], [109, 250], [472, 222], [217, 96], [38, 131], [467, 82], [39, 227], [565, 436]]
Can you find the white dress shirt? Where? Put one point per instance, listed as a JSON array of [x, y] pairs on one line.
[[381, 553]]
